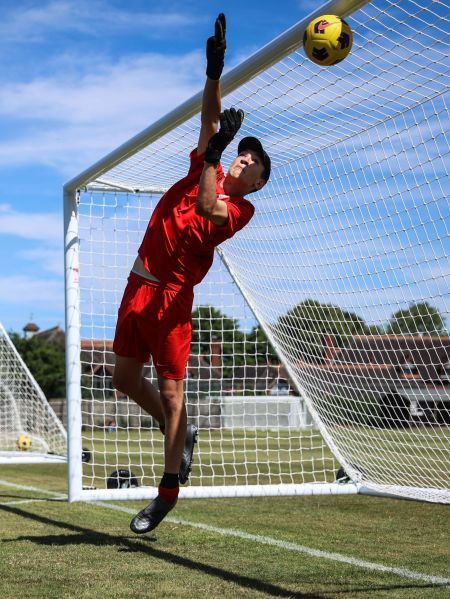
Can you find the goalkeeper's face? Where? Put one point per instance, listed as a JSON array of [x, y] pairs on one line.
[[245, 174]]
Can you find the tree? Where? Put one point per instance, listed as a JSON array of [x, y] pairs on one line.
[[258, 348], [417, 319], [46, 363], [306, 326], [375, 329], [209, 325]]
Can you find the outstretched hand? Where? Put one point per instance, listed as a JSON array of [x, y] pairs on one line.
[[230, 123], [215, 49]]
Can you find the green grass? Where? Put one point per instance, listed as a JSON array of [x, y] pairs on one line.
[[239, 457], [223, 457], [52, 549]]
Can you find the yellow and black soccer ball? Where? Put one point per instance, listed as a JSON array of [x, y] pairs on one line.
[[24, 443], [327, 40]]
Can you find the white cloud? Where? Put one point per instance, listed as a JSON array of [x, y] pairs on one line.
[[42, 294], [143, 85], [68, 121], [49, 259], [96, 18], [45, 227]]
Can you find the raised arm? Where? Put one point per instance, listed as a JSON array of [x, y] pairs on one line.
[[211, 103], [211, 106], [207, 203], [213, 142]]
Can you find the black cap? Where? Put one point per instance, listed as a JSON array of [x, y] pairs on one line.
[[253, 143]]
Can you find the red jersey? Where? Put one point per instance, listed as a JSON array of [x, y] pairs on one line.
[[178, 246]]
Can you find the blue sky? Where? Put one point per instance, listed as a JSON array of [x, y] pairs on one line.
[[79, 78], [59, 61]]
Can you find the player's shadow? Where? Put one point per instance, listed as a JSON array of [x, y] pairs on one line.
[[86, 536]]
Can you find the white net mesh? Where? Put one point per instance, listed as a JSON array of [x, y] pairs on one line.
[[345, 263], [254, 429], [24, 410]]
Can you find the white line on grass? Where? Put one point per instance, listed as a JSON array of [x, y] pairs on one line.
[[18, 501], [263, 540], [5, 483]]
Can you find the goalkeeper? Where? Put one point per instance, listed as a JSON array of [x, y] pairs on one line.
[[194, 216]]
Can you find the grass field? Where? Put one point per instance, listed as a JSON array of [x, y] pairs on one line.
[[258, 457], [223, 457], [347, 546]]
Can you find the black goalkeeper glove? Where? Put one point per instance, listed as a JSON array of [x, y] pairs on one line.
[[215, 49], [230, 123]]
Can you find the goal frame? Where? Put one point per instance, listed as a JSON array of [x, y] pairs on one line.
[[279, 48], [32, 457]]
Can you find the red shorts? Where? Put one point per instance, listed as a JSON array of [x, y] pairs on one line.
[[155, 320]]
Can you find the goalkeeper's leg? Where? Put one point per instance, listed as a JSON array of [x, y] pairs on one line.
[[128, 378], [178, 450]]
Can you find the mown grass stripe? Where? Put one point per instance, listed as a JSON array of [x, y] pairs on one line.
[[20, 501], [264, 540], [5, 483], [360, 563]]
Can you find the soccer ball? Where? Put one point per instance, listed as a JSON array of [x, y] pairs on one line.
[[327, 40], [24, 443]]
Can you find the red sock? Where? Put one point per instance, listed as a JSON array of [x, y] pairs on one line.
[[169, 495]]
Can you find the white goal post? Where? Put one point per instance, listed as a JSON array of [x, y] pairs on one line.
[[327, 313], [24, 410]]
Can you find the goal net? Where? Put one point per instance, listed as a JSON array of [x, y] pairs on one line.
[[24, 410], [320, 334]]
